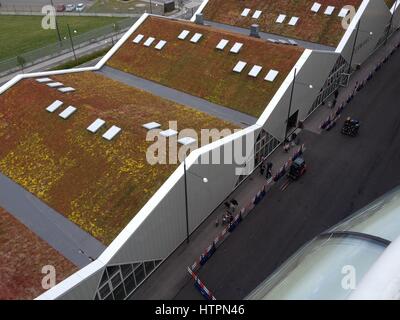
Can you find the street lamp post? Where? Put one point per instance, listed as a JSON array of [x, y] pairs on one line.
[[151, 7], [205, 180], [390, 27], [186, 203], [58, 30], [354, 46], [72, 44]]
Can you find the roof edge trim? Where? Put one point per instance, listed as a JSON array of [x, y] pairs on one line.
[[353, 26], [199, 10], [283, 88]]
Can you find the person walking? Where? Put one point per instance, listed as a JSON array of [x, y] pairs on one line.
[[262, 168], [269, 170]]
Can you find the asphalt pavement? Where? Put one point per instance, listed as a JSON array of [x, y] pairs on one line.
[[344, 174]]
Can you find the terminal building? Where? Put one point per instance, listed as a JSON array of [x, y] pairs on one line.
[[78, 140]]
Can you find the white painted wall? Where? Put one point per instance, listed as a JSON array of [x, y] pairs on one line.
[[374, 16], [313, 68]]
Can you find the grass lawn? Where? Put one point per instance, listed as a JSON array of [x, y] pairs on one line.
[[100, 185], [313, 27], [22, 256], [202, 70], [20, 34], [115, 6]]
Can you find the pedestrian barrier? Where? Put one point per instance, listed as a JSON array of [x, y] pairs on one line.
[[207, 255], [235, 222], [199, 285], [331, 121], [211, 249], [281, 173]]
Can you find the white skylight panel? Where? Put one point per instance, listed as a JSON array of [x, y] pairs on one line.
[[236, 47], [43, 80], [272, 40], [343, 12], [67, 112], [257, 14], [66, 89], [55, 84], [138, 38], [54, 106], [151, 125], [168, 133], [196, 37], [292, 42], [111, 133], [149, 41], [96, 125], [329, 10], [183, 34], [161, 44], [316, 6], [271, 75], [255, 71], [293, 21], [245, 12], [222, 44], [239, 66], [282, 41], [281, 18], [186, 141]]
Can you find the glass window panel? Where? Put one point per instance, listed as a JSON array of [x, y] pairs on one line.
[[135, 265], [126, 269], [109, 297], [119, 293], [149, 266], [130, 284], [104, 278], [139, 274], [157, 262], [112, 270], [104, 291], [116, 280]]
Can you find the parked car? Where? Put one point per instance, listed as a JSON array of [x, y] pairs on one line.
[[60, 8], [80, 7], [70, 7]]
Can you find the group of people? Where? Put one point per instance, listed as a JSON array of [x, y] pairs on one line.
[[293, 140], [230, 208], [227, 218]]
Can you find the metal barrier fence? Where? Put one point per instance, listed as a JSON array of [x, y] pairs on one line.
[[92, 9], [72, 14], [64, 46]]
